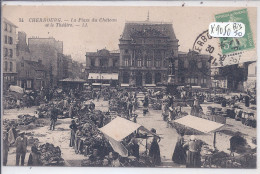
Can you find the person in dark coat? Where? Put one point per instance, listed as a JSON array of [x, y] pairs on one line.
[[179, 154], [53, 118], [193, 156], [21, 148], [73, 127], [154, 151], [134, 148], [247, 102], [5, 148], [34, 157]]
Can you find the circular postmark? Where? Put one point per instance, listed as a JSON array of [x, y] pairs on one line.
[[211, 48]]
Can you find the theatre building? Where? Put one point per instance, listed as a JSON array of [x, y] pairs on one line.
[[144, 51], [102, 67]]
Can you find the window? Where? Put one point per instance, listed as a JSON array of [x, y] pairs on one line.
[[10, 39], [104, 62], [139, 62], [11, 29], [158, 77], [27, 73], [139, 58], [11, 53], [6, 66], [199, 64], [157, 56], [126, 77], [6, 40], [148, 78], [29, 84], [148, 58], [6, 52], [12, 78], [11, 67], [203, 81], [126, 51], [22, 64], [114, 63], [126, 60], [5, 26], [92, 62], [186, 64], [149, 62]]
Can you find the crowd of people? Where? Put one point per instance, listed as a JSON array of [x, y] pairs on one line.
[[80, 107]]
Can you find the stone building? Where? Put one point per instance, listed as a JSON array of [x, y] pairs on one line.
[[46, 50], [144, 51], [102, 67], [32, 75], [9, 53]]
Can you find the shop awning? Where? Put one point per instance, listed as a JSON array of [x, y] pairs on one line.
[[124, 84], [17, 89], [196, 87], [76, 80], [199, 124], [150, 85], [103, 76], [96, 84], [105, 84]]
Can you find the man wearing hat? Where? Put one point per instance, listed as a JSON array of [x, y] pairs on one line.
[[21, 148]]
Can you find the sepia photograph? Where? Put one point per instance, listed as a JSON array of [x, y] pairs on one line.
[[129, 86]]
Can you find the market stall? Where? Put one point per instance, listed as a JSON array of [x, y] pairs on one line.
[[118, 129], [195, 123]]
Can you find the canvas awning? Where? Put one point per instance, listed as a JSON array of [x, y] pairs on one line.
[[103, 76], [96, 84], [76, 80], [124, 85], [105, 84], [150, 85], [199, 124], [17, 89], [118, 129], [196, 87]]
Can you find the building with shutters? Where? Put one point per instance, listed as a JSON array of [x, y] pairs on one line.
[[9, 53]]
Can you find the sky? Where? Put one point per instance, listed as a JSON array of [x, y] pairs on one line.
[[188, 23]]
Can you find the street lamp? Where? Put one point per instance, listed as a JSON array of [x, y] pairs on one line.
[[171, 86]]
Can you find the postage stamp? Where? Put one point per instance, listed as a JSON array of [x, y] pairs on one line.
[[229, 45]]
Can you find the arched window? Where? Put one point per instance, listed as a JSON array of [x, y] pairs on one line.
[[127, 60], [126, 77], [138, 57], [148, 58], [158, 58], [158, 78], [148, 78]]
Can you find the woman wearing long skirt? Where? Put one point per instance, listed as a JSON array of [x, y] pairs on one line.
[[179, 154], [154, 151], [73, 128]]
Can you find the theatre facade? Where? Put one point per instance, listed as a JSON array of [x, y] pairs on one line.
[[146, 50]]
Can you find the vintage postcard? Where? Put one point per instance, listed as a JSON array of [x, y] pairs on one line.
[[129, 86]]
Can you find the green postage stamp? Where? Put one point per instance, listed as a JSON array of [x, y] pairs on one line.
[[229, 45]]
